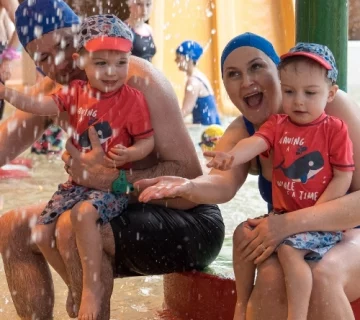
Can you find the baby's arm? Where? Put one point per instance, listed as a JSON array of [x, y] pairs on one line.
[[243, 152], [39, 105], [337, 187], [119, 155]]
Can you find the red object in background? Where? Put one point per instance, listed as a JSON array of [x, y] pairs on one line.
[[200, 296], [17, 169]]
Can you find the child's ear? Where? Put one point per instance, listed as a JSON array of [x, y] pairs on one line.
[[79, 61], [332, 92]]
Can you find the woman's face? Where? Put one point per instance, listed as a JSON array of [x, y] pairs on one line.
[[251, 81], [182, 62], [53, 54], [140, 9]]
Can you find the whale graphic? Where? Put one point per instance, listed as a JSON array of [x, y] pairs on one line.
[[303, 168], [103, 130]]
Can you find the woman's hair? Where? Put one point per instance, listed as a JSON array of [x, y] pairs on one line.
[[249, 39]]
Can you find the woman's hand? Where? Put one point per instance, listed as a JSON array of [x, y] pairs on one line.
[[163, 187], [267, 233], [89, 169]]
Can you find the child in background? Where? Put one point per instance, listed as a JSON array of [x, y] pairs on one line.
[[120, 116], [312, 163], [199, 97]]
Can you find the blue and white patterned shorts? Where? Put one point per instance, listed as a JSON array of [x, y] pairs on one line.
[[107, 204], [317, 242]]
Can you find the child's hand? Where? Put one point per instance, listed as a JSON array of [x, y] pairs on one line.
[[220, 160], [117, 156]]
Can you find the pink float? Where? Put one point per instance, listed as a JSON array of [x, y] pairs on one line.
[[16, 169]]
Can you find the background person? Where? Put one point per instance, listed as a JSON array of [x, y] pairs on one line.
[[199, 96]]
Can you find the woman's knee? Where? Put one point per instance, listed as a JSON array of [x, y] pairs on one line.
[[325, 272], [241, 233], [269, 292], [270, 275]]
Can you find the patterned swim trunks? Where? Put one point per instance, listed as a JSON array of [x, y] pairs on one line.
[[68, 194]]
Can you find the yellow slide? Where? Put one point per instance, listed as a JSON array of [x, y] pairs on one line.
[[213, 23]]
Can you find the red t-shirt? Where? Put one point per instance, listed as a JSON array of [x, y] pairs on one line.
[[119, 117], [304, 157]]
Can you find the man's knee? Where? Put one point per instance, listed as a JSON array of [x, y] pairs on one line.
[[16, 229]]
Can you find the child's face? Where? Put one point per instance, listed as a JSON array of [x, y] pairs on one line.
[[106, 70], [305, 91]]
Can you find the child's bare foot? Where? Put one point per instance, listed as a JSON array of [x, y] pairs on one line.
[[71, 307], [91, 302]]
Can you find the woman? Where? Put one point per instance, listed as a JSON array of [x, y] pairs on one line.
[[143, 44], [250, 77], [199, 97]]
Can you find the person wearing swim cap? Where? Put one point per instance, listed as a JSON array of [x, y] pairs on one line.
[[128, 239], [249, 71], [312, 164], [120, 115], [199, 97]]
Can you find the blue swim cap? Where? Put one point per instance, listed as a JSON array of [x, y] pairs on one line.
[[249, 39], [190, 49], [33, 18]]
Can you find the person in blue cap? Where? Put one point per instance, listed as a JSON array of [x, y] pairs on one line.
[[249, 70], [46, 30], [199, 97], [312, 164], [104, 44]]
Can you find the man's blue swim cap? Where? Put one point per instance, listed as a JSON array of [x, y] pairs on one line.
[[249, 39], [190, 49], [33, 18]]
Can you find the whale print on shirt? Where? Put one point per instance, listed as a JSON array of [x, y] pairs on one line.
[[303, 168]]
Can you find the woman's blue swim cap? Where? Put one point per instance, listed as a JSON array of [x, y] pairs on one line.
[[249, 39]]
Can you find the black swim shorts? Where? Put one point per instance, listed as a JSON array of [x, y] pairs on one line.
[[151, 239]]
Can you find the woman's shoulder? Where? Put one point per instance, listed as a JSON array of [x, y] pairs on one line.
[[343, 106]]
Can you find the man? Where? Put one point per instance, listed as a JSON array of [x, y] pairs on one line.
[[146, 239]]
